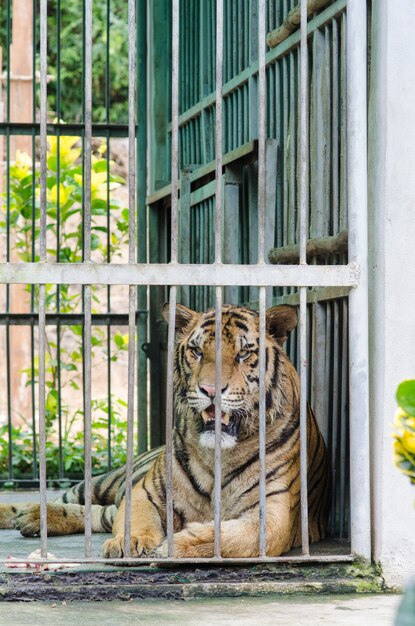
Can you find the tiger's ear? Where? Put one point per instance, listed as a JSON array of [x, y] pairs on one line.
[[184, 315], [280, 321]]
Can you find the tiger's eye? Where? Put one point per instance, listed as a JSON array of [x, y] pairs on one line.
[[242, 355], [196, 352]]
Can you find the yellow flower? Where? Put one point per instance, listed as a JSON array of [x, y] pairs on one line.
[[22, 166], [400, 416], [64, 193], [67, 153], [408, 441], [98, 184]]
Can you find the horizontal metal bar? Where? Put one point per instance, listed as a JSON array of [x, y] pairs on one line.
[[68, 319], [318, 558], [177, 274], [320, 294], [98, 130], [247, 151]]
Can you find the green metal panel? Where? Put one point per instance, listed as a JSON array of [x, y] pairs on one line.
[[327, 320]]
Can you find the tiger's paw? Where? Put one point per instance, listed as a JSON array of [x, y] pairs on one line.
[[60, 520], [194, 541], [28, 521], [8, 514], [114, 548]]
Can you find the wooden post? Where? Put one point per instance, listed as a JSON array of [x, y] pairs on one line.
[[21, 70], [21, 110]]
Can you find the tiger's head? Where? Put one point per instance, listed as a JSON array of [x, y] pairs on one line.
[[194, 372]]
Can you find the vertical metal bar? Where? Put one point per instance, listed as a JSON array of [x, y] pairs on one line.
[[262, 424], [218, 420], [8, 373], [58, 231], [42, 288], [303, 290], [218, 129], [142, 224], [174, 130], [107, 116], [358, 301], [169, 420], [173, 257], [218, 259], [87, 290], [262, 130], [131, 259], [343, 409], [33, 251]]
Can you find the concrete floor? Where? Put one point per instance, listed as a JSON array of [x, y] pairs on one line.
[[353, 610], [72, 546], [310, 610]]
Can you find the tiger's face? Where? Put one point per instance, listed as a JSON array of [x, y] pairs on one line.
[[195, 375]]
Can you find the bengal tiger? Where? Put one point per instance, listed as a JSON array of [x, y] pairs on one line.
[[193, 453]]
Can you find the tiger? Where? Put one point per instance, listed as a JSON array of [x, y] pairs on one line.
[[194, 453]]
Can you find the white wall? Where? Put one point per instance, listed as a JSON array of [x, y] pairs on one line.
[[391, 273]]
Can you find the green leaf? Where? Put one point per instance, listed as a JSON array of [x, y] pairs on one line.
[[119, 340], [100, 166], [69, 367], [405, 396], [52, 402], [95, 241]]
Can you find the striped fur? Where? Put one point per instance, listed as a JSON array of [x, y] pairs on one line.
[[193, 454]]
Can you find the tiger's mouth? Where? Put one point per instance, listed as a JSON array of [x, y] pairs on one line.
[[208, 419]]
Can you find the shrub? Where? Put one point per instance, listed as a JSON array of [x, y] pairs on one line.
[[64, 243]]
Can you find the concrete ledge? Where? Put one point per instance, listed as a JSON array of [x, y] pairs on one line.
[[181, 584]]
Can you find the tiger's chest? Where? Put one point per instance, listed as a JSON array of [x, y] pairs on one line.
[[194, 490]]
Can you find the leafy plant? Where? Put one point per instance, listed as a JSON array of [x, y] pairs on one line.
[[64, 346], [404, 444]]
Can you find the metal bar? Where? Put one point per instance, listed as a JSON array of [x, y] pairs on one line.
[[169, 421], [63, 319], [218, 130], [131, 259], [175, 130], [87, 291], [174, 274], [326, 558], [218, 421], [262, 131], [142, 223], [42, 287], [174, 227], [72, 128], [343, 417], [303, 261], [219, 294], [358, 300], [262, 425]]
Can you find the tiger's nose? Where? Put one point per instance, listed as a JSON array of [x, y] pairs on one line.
[[210, 390]]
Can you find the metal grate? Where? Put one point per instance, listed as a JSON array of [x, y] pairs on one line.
[[232, 119]]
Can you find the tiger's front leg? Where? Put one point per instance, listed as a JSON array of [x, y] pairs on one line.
[[239, 537], [146, 527]]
